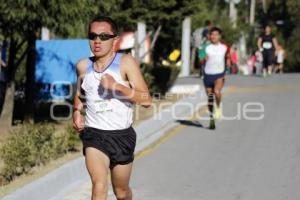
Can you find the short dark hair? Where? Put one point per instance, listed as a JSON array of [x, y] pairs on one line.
[[213, 29], [207, 22], [113, 24], [267, 25]]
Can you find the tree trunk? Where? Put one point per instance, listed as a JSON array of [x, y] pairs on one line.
[[193, 59], [7, 112], [30, 79], [12, 54], [2, 94], [8, 88]]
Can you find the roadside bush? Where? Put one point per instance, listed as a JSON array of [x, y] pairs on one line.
[[30, 146], [165, 76], [160, 78], [72, 138], [148, 76]]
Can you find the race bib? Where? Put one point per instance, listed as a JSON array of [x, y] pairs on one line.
[[267, 45], [102, 106]]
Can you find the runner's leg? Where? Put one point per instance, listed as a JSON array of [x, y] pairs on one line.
[[265, 63], [270, 69], [219, 83], [120, 176], [210, 95], [97, 164], [270, 63]]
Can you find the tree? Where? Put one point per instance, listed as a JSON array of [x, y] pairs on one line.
[[168, 14], [154, 13], [20, 24]]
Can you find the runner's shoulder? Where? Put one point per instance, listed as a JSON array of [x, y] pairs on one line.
[[82, 65], [225, 45], [128, 61], [127, 58], [208, 46]]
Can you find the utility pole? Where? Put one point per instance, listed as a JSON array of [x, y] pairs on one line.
[[141, 36], [232, 11], [264, 3], [185, 47], [252, 12]]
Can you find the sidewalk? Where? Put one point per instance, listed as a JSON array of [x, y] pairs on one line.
[[62, 182]]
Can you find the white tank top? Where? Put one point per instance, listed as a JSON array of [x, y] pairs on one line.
[[104, 109], [216, 54]]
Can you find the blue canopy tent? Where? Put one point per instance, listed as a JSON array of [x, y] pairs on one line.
[[55, 72], [55, 76]]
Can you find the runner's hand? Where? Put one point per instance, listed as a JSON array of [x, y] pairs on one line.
[[108, 82], [78, 121]]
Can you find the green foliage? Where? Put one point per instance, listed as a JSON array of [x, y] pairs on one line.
[[152, 12], [21, 23], [73, 141], [34, 145], [146, 70], [169, 14], [159, 78], [24, 17], [293, 51], [165, 77], [230, 35]]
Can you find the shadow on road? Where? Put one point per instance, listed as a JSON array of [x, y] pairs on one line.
[[190, 123]]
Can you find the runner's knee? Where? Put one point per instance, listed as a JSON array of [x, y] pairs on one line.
[[99, 188], [210, 95], [217, 92], [122, 193]]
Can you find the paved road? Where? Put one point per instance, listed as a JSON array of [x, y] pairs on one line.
[[242, 159]]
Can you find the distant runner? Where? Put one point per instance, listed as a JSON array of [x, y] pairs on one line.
[[267, 43], [216, 54]]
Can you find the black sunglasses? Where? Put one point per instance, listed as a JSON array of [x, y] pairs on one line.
[[102, 36]]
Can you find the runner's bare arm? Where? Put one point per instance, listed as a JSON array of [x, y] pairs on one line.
[[138, 93], [227, 58], [78, 119], [259, 43]]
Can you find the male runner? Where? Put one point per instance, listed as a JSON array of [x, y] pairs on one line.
[[110, 83], [216, 54], [267, 44]]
